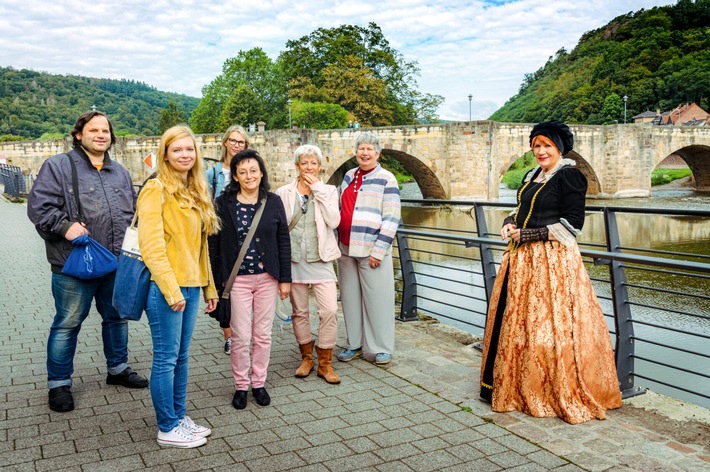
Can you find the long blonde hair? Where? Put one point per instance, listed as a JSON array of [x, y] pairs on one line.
[[195, 193]]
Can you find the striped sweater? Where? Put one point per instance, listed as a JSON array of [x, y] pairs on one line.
[[376, 215]]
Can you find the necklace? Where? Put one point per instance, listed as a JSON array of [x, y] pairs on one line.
[[241, 198], [358, 175]]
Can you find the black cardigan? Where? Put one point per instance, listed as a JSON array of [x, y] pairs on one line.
[[271, 239]]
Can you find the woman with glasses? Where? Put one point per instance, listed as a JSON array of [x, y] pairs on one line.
[[235, 139], [313, 216], [263, 275]]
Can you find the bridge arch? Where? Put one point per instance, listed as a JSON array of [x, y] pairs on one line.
[[593, 184], [697, 157], [428, 182]]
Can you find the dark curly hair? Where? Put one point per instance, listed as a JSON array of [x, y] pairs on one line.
[[557, 131], [85, 118], [233, 187]]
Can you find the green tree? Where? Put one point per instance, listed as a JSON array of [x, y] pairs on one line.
[[319, 115], [613, 111], [171, 116], [310, 62], [253, 76]]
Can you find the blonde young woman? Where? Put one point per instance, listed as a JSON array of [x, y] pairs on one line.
[[313, 215], [175, 216], [234, 140]]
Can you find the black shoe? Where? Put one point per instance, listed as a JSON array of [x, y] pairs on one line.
[[240, 399], [127, 378], [61, 399], [261, 396]]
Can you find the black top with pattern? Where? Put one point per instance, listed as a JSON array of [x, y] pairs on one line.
[[252, 262]]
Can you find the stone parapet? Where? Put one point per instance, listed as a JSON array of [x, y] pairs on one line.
[[463, 160]]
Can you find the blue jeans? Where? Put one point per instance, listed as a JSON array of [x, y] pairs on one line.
[[72, 301], [171, 332]]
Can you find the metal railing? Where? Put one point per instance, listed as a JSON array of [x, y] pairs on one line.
[[15, 183], [442, 276]]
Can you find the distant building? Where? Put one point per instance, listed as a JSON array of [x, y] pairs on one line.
[[689, 114]]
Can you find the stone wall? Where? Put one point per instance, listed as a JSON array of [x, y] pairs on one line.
[[451, 161]]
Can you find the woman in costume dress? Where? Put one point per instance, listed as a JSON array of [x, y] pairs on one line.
[[547, 350]]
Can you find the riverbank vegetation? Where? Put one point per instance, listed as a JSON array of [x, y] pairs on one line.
[[666, 176]]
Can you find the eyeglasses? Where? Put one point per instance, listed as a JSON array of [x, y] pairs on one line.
[[235, 142], [304, 203]]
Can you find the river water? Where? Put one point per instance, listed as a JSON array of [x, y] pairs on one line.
[[683, 234]]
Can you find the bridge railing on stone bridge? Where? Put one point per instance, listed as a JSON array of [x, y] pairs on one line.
[[656, 302]]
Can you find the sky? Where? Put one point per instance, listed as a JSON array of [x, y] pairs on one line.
[[481, 48]]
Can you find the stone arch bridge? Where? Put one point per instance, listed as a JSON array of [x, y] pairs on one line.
[[463, 160]]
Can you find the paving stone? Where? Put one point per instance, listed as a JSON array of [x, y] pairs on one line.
[[378, 418], [435, 460]]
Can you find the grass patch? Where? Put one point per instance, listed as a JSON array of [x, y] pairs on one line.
[[666, 176], [513, 179]]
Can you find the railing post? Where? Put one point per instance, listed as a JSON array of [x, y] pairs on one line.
[[408, 310], [487, 262], [622, 311]]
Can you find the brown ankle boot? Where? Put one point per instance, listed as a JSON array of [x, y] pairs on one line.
[[307, 356], [325, 366]]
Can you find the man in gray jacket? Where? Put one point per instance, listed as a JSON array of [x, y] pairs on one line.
[[107, 201]]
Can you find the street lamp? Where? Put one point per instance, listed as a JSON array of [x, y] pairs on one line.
[[470, 97], [626, 98], [289, 101], [93, 108]]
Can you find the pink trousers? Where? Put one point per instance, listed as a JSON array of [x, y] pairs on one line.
[[327, 306], [253, 299]]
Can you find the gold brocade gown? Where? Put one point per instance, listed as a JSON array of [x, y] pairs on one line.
[[552, 354]]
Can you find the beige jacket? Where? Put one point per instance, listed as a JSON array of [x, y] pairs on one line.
[[325, 201]]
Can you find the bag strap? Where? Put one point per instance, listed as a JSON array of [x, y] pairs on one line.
[[75, 186], [162, 199], [243, 250], [297, 217]]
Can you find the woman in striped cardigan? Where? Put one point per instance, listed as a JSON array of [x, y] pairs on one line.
[[369, 217]]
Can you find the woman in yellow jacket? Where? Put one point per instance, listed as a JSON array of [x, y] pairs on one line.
[[175, 216]]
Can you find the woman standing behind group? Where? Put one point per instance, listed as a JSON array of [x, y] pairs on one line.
[[546, 349], [312, 213], [175, 216], [264, 274], [235, 139], [369, 218]]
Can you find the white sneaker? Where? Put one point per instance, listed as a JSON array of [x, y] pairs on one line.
[[194, 428], [180, 437]]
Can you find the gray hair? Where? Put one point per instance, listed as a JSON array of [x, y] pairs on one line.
[[308, 150], [368, 138]]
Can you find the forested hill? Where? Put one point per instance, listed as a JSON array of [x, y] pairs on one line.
[[35, 104], [659, 58]]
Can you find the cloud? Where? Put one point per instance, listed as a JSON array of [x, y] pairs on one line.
[[478, 47]]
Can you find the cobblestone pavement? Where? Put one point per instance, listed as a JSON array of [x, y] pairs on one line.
[[420, 413]]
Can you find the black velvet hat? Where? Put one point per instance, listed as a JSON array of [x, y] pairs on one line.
[[557, 131]]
